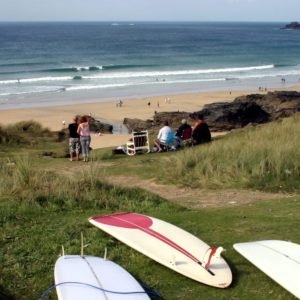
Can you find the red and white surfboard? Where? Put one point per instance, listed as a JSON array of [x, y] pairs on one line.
[[169, 245]]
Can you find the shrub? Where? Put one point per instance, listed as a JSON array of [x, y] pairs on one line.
[[25, 132]]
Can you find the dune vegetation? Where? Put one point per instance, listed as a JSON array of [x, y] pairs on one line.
[[262, 157], [45, 202]]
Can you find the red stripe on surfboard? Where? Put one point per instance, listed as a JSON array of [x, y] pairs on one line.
[[125, 220], [141, 222]]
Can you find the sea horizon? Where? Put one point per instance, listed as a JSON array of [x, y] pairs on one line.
[[147, 21]]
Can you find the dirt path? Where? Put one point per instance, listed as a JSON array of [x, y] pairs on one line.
[[194, 198], [188, 197]]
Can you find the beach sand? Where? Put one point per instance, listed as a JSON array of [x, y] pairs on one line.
[[52, 117]]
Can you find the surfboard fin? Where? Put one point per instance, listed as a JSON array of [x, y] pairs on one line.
[[81, 247], [209, 254], [105, 253], [219, 252]]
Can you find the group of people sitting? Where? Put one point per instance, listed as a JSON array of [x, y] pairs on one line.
[[194, 135], [79, 138]]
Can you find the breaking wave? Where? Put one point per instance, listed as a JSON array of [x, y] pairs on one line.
[[137, 74]]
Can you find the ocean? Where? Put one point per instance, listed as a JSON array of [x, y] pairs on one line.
[[43, 64]]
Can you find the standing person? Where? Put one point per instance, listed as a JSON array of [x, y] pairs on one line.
[[74, 143], [201, 133], [85, 137]]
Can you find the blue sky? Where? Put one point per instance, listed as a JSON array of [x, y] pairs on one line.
[[150, 10]]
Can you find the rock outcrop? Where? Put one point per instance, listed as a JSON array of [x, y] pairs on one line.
[[253, 108], [174, 118], [98, 126], [277, 104], [227, 116], [224, 116], [137, 124], [292, 25]]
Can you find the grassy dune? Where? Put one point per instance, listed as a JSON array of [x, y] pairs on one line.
[[45, 202], [264, 157]]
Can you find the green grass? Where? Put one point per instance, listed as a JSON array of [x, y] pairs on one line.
[[45, 202], [31, 239], [25, 133], [265, 158]]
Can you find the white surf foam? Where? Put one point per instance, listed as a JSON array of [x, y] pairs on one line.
[[175, 72], [104, 86], [155, 74], [37, 79]]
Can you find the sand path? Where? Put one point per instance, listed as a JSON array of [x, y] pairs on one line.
[[195, 198], [184, 196]]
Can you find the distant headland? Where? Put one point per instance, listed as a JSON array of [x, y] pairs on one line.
[[292, 25]]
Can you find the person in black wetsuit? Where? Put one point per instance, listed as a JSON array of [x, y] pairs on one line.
[[74, 142], [201, 133]]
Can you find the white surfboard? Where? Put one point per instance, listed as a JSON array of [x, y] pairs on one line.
[[280, 260], [93, 278], [168, 245]]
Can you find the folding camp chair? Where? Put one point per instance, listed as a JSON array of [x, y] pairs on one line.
[[139, 143]]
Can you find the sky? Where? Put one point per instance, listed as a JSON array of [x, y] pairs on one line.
[[150, 10]]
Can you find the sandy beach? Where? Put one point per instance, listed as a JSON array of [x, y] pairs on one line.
[[53, 117]]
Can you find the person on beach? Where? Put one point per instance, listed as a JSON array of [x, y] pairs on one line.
[[120, 103], [85, 137], [74, 143], [165, 137], [201, 133]]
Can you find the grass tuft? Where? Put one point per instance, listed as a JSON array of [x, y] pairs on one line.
[[25, 132], [265, 157]]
